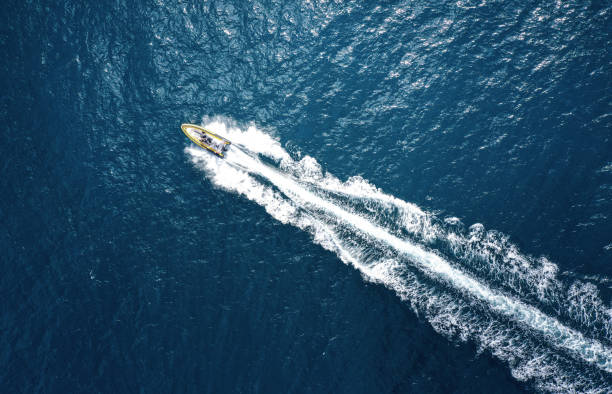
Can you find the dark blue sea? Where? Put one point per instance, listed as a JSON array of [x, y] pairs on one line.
[[417, 198]]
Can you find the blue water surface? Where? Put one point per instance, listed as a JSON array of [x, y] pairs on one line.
[[124, 269]]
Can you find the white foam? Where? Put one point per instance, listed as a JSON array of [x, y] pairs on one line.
[[235, 179], [486, 254], [250, 136], [298, 199]]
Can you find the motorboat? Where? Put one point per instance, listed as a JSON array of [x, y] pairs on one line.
[[206, 139]]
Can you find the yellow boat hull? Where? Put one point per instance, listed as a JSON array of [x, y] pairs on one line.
[[206, 139]]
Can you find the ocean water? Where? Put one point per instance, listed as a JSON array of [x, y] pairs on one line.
[[417, 198]]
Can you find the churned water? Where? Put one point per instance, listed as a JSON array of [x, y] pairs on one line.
[[417, 198]]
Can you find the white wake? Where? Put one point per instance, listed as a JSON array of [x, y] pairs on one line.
[[483, 288]]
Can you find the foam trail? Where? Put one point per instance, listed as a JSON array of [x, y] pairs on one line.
[[589, 350], [362, 226]]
